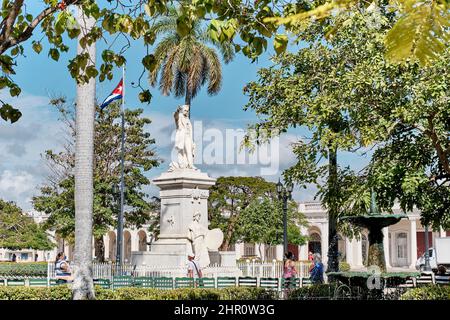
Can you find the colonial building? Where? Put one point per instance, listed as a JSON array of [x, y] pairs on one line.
[[403, 242]]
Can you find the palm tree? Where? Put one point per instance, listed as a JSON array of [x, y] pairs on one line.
[[83, 287], [187, 62]]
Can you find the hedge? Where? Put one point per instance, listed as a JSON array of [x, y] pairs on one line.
[[64, 293], [430, 292], [317, 291], [28, 269]]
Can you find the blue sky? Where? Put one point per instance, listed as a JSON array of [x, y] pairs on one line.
[[22, 171]]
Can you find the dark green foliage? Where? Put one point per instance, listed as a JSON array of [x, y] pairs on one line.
[[238, 204], [14, 269], [57, 197], [431, 292], [63, 293], [19, 231]]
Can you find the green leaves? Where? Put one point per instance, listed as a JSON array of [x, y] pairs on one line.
[[58, 199], [7, 112], [145, 96], [54, 54], [19, 231], [149, 62], [280, 43], [37, 47], [422, 33], [184, 25]]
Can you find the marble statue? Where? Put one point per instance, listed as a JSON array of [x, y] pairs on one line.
[[197, 234], [184, 143]]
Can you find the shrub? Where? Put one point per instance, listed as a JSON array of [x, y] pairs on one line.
[[430, 292], [28, 269], [317, 291], [64, 293], [35, 293], [344, 266]]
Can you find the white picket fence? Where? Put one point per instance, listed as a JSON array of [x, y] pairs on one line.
[[272, 269], [248, 268]]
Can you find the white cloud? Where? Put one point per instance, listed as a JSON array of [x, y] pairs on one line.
[[17, 186]]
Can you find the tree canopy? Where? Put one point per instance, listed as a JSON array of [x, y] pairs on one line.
[[400, 111], [19, 231], [262, 222], [421, 31], [57, 196], [234, 204]]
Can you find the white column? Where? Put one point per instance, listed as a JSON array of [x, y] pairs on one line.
[[280, 252], [349, 252], [134, 240], [303, 250], [358, 254], [387, 253], [324, 242], [442, 233], [413, 243]]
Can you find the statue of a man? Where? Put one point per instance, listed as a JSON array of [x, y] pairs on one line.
[[197, 234], [184, 143]]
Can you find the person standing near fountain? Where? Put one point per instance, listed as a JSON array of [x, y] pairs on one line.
[[317, 270]]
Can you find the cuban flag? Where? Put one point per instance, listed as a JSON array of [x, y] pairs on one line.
[[115, 95]]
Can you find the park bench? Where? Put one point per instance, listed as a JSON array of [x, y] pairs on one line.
[[226, 282], [209, 283], [122, 282], [442, 279], [103, 283], [290, 283], [15, 282], [184, 282], [163, 283], [38, 282], [305, 282], [144, 282], [248, 282], [424, 279], [269, 283]]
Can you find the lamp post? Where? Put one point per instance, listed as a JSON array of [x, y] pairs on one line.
[[119, 252], [284, 194], [427, 266]]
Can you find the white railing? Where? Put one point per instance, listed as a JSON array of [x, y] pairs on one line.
[[108, 270], [274, 269], [249, 268]]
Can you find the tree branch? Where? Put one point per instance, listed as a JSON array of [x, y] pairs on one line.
[[7, 42]]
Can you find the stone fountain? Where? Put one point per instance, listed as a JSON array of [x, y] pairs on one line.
[[376, 276], [374, 222]]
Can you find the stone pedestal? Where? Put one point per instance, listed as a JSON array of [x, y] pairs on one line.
[[183, 192]]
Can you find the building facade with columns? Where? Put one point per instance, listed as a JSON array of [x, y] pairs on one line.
[[403, 242]]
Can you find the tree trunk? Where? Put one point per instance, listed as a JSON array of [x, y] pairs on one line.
[[100, 249], [333, 262], [83, 287], [187, 100]]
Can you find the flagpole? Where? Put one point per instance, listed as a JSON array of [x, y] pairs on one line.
[[120, 247]]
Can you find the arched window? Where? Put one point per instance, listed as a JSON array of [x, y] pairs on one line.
[[315, 243], [142, 240], [127, 247], [401, 248], [112, 246]]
